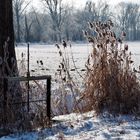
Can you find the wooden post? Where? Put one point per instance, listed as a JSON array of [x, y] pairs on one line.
[[48, 99]]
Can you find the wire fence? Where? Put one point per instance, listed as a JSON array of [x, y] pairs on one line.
[[26, 106]]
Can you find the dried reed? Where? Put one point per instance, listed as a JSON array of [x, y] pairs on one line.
[[111, 82]]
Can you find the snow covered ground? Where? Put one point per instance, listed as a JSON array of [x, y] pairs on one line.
[[86, 126], [77, 126], [49, 55]]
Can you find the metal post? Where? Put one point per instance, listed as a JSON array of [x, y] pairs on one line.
[[5, 82], [28, 75], [48, 99]]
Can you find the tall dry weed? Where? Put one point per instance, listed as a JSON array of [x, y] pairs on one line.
[[111, 82], [67, 93]]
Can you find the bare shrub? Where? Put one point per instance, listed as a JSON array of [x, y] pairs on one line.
[[111, 82]]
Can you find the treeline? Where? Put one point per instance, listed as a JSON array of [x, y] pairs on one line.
[[58, 21]]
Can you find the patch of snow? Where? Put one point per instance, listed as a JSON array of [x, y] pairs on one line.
[[86, 126]]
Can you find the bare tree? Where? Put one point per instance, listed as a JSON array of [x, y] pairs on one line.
[[99, 11], [128, 19], [19, 7], [39, 24], [69, 24], [134, 17], [56, 13], [28, 28]]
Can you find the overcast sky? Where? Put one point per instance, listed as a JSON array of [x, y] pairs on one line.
[[81, 3]]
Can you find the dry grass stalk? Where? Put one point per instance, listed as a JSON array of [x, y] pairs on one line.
[[69, 90], [112, 83]]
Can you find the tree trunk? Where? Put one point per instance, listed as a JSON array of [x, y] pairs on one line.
[[6, 28], [8, 66]]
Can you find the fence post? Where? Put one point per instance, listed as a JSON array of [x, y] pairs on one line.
[[5, 84], [28, 75], [48, 99]]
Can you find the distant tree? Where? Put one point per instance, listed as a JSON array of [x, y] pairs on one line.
[[99, 11], [128, 19], [134, 19], [19, 7], [39, 24], [28, 26], [55, 9], [69, 23], [91, 12]]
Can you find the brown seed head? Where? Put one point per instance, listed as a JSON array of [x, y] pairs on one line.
[[64, 43], [126, 47], [57, 46]]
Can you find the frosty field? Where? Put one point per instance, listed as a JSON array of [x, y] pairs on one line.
[[74, 126], [49, 55]]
